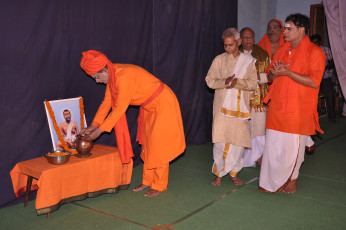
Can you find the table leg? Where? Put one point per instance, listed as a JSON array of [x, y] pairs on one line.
[[28, 188]]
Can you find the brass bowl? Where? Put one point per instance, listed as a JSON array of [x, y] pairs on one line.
[[57, 157], [83, 146]]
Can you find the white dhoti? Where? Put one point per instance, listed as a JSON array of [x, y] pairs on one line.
[[228, 158], [256, 151], [309, 142], [283, 155], [257, 129]]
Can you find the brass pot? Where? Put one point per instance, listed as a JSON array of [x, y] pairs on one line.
[[83, 146], [57, 157]]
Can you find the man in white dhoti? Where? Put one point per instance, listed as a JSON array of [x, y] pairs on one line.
[[69, 130], [233, 75], [257, 107], [296, 72]]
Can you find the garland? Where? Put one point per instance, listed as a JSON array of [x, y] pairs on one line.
[[56, 128], [81, 112]]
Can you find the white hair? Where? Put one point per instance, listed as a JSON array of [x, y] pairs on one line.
[[231, 32]]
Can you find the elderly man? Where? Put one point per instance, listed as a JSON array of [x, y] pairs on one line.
[[274, 38], [160, 127], [296, 72], [258, 108], [233, 75]]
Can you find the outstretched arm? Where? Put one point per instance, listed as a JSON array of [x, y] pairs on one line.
[[103, 109], [95, 133]]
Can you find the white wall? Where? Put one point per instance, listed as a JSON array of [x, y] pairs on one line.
[[287, 7], [256, 13]]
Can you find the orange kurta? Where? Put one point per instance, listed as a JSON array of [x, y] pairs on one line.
[[293, 107], [163, 130]]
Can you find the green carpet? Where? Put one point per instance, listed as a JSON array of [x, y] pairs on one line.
[[191, 202]]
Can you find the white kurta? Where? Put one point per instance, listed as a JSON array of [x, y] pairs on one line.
[[228, 129], [230, 134]]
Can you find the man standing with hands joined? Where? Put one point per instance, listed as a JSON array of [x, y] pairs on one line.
[[233, 75], [296, 71]]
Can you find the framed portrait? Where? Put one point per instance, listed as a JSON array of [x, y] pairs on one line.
[[66, 119]]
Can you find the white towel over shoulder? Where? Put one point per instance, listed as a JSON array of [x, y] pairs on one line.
[[234, 104]]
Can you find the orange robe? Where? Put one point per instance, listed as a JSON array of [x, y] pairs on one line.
[[264, 43], [293, 107], [163, 133]]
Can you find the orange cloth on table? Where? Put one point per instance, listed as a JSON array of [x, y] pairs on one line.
[[103, 170], [292, 106], [265, 43], [92, 62], [163, 133]]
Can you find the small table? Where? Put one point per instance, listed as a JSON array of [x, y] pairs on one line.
[[79, 178]]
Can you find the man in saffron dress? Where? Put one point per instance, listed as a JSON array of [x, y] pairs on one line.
[[271, 42], [274, 38], [296, 72], [233, 75], [160, 127]]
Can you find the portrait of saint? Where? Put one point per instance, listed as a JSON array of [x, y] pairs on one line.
[[67, 115]]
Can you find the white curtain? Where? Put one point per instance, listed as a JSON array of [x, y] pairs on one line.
[[335, 11]]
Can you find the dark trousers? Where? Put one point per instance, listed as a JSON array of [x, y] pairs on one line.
[[328, 92]]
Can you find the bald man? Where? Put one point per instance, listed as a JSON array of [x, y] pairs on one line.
[[274, 37]]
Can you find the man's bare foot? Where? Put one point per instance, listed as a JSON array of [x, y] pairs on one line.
[[236, 180], [152, 193], [291, 187], [259, 161], [140, 188], [217, 181]]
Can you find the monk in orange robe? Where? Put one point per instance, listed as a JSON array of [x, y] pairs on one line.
[[274, 38], [296, 72], [160, 127], [271, 41]]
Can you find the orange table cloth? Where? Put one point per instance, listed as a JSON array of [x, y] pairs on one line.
[[79, 178]]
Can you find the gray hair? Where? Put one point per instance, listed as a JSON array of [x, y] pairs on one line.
[[231, 32]]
